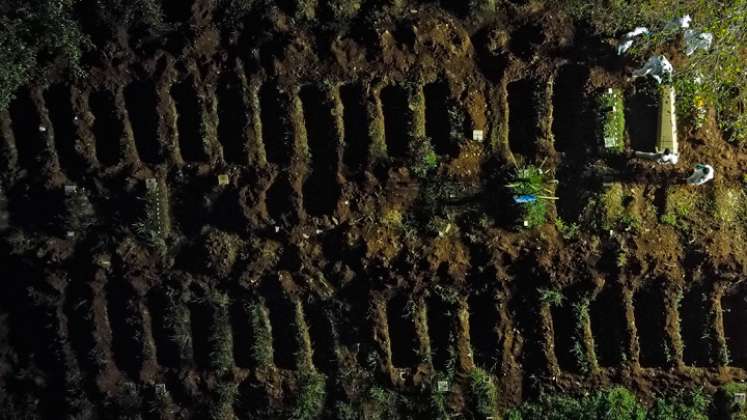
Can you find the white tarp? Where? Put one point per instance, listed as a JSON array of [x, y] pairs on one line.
[[627, 40], [679, 23], [697, 40], [694, 40], [657, 67]]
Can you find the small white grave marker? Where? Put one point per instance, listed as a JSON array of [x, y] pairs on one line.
[[70, 234], [223, 180], [70, 189], [478, 135], [42, 129], [443, 386], [740, 398]]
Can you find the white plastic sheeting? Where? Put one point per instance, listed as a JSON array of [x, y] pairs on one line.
[[679, 23], [627, 40], [697, 41], [694, 40], [701, 174], [657, 67]]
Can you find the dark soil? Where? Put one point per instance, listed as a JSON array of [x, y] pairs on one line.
[[253, 210]]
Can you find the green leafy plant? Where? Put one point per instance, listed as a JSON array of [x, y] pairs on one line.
[[423, 158], [569, 232], [551, 297]]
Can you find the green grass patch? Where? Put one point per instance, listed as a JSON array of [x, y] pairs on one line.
[[681, 202], [613, 404], [220, 406], [311, 396], [584, 361], [262, 345], [221, 339], [483, 395], [728, 404], [613, 209], [728, 205], [438, 405]]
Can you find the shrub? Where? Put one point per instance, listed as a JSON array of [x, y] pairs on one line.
[[685, 406], [34, 37]]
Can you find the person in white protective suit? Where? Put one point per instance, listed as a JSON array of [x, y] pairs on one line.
[[701, 174], [660, 157]]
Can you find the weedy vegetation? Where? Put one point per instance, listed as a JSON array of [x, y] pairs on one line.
[[153, 226], [535, 181], [551, 297], [262, 345], [483, 395], [311, 396], [35, 37], [220, 406]]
